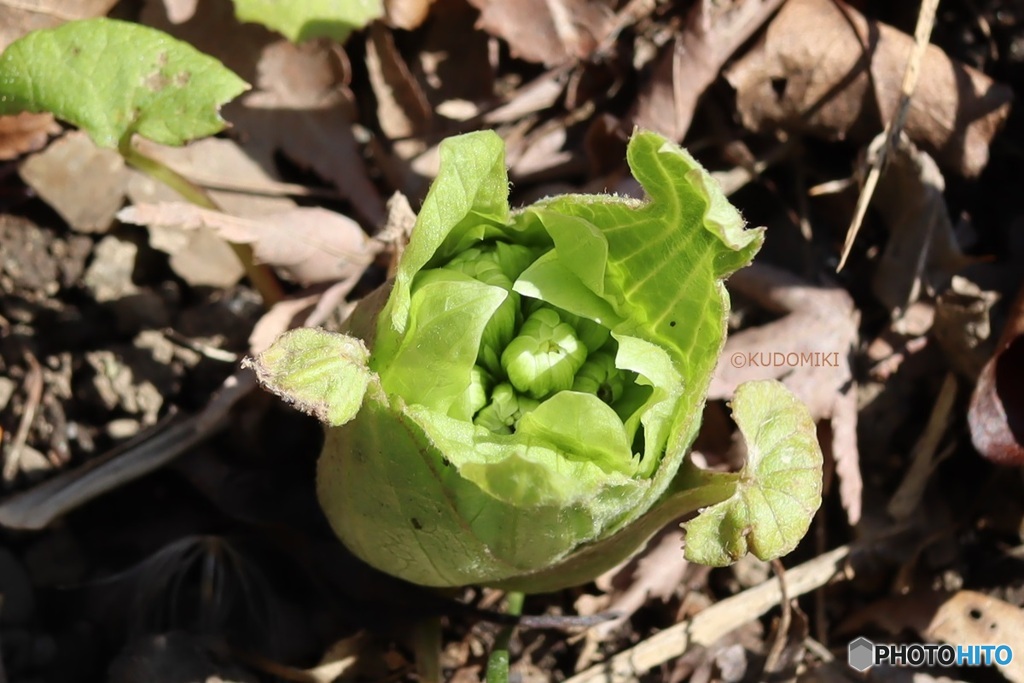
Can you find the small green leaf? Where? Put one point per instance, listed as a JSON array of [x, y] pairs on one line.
[[321, 373], [779, 488], [114, 78], [300, 21]]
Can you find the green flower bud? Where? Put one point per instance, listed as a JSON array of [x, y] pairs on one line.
[[600, 377], [502, 414], [545, 356], [497, 264], [569, 464], [593, 335]]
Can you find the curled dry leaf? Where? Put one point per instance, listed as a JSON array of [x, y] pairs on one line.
[[309, 244], [808, 351], [825, 70], [996, 415], [25, 132], [547, 31]]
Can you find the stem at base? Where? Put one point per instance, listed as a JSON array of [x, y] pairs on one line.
[[498, 662]]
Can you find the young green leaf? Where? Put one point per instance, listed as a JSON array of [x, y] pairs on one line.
[[321, 373], [779, 488], [114, 78], [299, 21]]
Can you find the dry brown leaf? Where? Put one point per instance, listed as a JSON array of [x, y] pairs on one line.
[[25, 132], [402, 107], [306, 309], [210, 159], [84, 183], [547, 31], [656, 573], [963, 327], [301, 106], [300, 103], [961, 618], [922, 254], [199, 256], [979, 619], [310, 245], [811, 73], [19, 17], [714, 31], [808, 350], [453, 62], [407, 14]]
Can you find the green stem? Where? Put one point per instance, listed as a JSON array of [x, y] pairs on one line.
[[427, 649], [261, 277], [498, 662]]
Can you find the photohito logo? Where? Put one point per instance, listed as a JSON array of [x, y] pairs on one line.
[[863, 654]]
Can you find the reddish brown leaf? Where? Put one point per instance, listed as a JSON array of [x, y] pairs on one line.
[[922, 254], [402, 107], [996, 415]]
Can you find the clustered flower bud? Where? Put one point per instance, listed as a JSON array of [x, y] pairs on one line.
[[530, 350]]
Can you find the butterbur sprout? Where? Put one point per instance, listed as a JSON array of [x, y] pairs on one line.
[[516, 407]]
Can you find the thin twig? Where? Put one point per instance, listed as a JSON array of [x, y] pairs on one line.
[[266, 188], [923, 459], [211, 352], [34, 390], [714, 622], [894, 128], [778, 645]]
